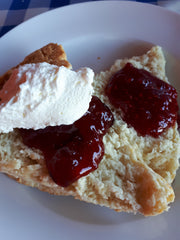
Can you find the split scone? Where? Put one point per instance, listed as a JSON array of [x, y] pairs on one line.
[[135, 173]]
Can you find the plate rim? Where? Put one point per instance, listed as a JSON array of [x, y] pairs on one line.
[[86, 3], [92, 3]]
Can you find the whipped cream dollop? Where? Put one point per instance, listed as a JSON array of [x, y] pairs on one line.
[[40, 95]]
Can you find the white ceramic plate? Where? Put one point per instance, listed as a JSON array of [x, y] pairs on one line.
[[93, 34]]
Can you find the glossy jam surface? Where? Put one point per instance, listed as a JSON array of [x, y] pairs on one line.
[[147, 103], [73, 151]]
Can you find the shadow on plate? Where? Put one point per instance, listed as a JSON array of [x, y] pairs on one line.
[[75, 210], [176, 186]]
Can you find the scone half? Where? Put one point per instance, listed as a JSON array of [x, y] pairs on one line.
[[134, 174]]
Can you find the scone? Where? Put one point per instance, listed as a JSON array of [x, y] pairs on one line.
[[161, 154], [135, 173]]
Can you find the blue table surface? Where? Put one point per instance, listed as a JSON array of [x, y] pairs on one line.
[[14, 12]]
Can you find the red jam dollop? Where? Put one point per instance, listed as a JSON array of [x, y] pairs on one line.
[[147, 103], [73, 151]]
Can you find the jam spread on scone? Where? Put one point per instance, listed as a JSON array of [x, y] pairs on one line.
[[73, 151], [147, 103]]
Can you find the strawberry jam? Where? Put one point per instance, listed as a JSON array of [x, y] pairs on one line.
[[147, 103], [73, 151]]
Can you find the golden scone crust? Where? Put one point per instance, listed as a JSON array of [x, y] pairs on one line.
[[51, 53], [135, 173]]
